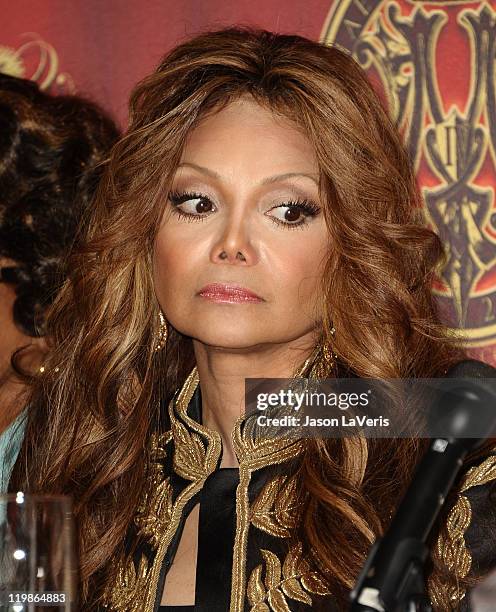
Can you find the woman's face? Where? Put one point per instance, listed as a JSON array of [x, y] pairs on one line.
[[235, 228], [11, 337]]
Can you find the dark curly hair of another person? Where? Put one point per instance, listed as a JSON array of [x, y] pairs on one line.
[[50, 148]]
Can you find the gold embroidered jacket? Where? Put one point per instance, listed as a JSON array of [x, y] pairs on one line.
[[243, 563]]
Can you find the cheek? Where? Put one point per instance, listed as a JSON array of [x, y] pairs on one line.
[[175, 265], [167, 264], [302, 276], [300, 267], [10, 336]]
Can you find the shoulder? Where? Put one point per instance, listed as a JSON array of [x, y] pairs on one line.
[[10, 444], [479, 488], [465, 549]]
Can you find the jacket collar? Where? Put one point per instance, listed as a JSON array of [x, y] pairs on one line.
[[198, 449]]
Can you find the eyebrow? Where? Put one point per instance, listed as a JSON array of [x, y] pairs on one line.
[[266, 181]]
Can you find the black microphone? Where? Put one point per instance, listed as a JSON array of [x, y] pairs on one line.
[[392, 576]]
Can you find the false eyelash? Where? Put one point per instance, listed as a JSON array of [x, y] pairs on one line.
[[178, 198], [309, 208]]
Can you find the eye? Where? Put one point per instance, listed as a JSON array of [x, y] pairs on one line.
[[295, 213], [191, 205], [195, 206]]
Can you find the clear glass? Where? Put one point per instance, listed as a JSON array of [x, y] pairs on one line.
[[38, 565]]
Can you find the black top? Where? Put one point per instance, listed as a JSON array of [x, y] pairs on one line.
[[188, 457]]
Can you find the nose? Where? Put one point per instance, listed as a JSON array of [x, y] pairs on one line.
[[234, 246], [239, 255]]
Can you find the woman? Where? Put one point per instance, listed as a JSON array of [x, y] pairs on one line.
[[260, 218], [49, 147]]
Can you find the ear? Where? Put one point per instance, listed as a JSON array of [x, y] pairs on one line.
[[41, 344], [33, 353]]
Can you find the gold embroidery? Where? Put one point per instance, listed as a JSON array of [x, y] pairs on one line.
[[155, 510], [196, 453], [191, 459], [290, 582], [450, 549], [154, 522], [158, 499], [274, 510], [128, 582], [480, 474], [198, 472], [189, 453], [158, 444], [136, 593], [253, 453]]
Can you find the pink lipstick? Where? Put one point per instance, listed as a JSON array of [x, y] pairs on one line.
[[219, 292]]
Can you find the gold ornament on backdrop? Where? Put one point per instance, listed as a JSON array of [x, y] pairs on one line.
[[161, 337], [449, 130], [38, 60]]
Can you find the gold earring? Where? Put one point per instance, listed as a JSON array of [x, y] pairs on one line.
[[161, 338], [326, 358], [42, 369]]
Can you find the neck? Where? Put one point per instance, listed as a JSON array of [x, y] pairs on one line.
[[222, 373], [14, 391], [13, 396]]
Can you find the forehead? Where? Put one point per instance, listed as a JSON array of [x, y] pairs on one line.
[[246, 130]]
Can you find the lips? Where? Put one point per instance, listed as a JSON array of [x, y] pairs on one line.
[[229, 292]]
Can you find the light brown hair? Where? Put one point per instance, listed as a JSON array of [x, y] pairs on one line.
[[90, 423]]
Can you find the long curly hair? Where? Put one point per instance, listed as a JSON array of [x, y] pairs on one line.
[[91, 421], [49, 149]]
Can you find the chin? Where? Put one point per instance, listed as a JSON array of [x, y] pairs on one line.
[[227, 341]]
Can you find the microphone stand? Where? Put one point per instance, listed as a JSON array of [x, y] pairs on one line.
[[411, 554], [392, 579]]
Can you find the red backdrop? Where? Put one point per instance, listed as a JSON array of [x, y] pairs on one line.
[[434, 63]]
